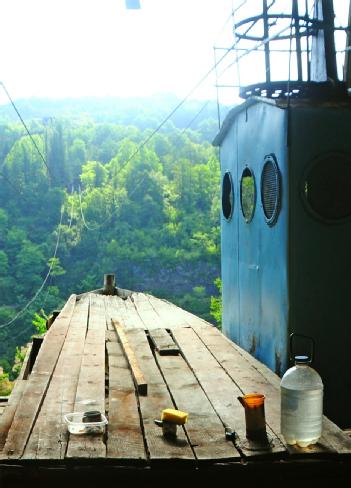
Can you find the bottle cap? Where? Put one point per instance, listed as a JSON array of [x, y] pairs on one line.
[[302, 360]]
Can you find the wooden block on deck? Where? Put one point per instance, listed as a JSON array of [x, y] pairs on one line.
[[137, 373], [163, 342]]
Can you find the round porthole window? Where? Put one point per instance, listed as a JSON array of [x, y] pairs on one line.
[[327, 188], [270, 189], [247, 194], [227, 196]]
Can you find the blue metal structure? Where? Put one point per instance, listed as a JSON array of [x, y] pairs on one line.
[[288, 269]]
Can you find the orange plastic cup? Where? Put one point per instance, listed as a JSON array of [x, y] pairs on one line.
[[253, 400]]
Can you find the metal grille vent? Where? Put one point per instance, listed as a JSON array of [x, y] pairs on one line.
[[227, 196], [270, 190]]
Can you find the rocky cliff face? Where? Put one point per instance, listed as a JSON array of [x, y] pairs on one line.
[[171, 281]]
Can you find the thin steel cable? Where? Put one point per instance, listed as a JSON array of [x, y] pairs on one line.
[[197, 85], [47, 292], [177, 107], [236, 54], [217, 90], [14, 187], [195, 116], [26, 128], [10, 322], [86, 225], [20, 333], [248, 51], [255, 48], [72, 206]]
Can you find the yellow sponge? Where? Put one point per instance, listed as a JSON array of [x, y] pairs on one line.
[[174, 416]]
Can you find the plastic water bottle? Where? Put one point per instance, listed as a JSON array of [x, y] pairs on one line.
[[301, 391]]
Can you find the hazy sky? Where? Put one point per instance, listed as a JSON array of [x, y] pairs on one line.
[[98, 47], [59, 48]]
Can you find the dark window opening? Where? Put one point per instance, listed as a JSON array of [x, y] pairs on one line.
[[227, 196], [248, 194], [327, 188]]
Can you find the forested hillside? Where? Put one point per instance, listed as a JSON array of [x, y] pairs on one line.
[[147, 212]]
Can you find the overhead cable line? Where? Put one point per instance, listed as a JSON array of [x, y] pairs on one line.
[[245, 53], [176, 108], [21, 312], [86, 225], [195, 116], [26, 128], [231, 15], [14, 187], [72, 206], [199, 83], [255, 48]]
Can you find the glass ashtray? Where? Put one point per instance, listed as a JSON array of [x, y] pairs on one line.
[[76, 425]]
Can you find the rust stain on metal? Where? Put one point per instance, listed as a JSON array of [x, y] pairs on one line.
[[278, 363], [253, 346]]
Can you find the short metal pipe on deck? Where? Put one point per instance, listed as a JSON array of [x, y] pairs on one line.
[[109, 284]]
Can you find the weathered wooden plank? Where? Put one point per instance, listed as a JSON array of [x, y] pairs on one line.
[[49, 437], [133, 319], [187, 318], [10, 410], [37, 384], [163, 342], [240, 367], [125, 440], [23, 375], [146, 311], [107, 300], [124, 312], [335, 438], [139, 379], [204, 428], [151, 406], [91, 385], [170, 315], [54, 339], [221, 391], [97, 307]]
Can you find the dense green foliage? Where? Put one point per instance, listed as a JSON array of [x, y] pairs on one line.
[[151, 215]]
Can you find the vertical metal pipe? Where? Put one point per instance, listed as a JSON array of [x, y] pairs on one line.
[[347, 65], [295, 14], [266, 46], [109, 284], [329, 42], [308, 60]]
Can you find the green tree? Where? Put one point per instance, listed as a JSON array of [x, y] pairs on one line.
[[216, 304]]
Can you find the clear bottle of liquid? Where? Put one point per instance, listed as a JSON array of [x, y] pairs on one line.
[[301, 391]]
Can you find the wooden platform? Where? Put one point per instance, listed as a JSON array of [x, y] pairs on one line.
[[187, 364]]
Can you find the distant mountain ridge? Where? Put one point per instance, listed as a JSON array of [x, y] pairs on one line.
[[141, 112]]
